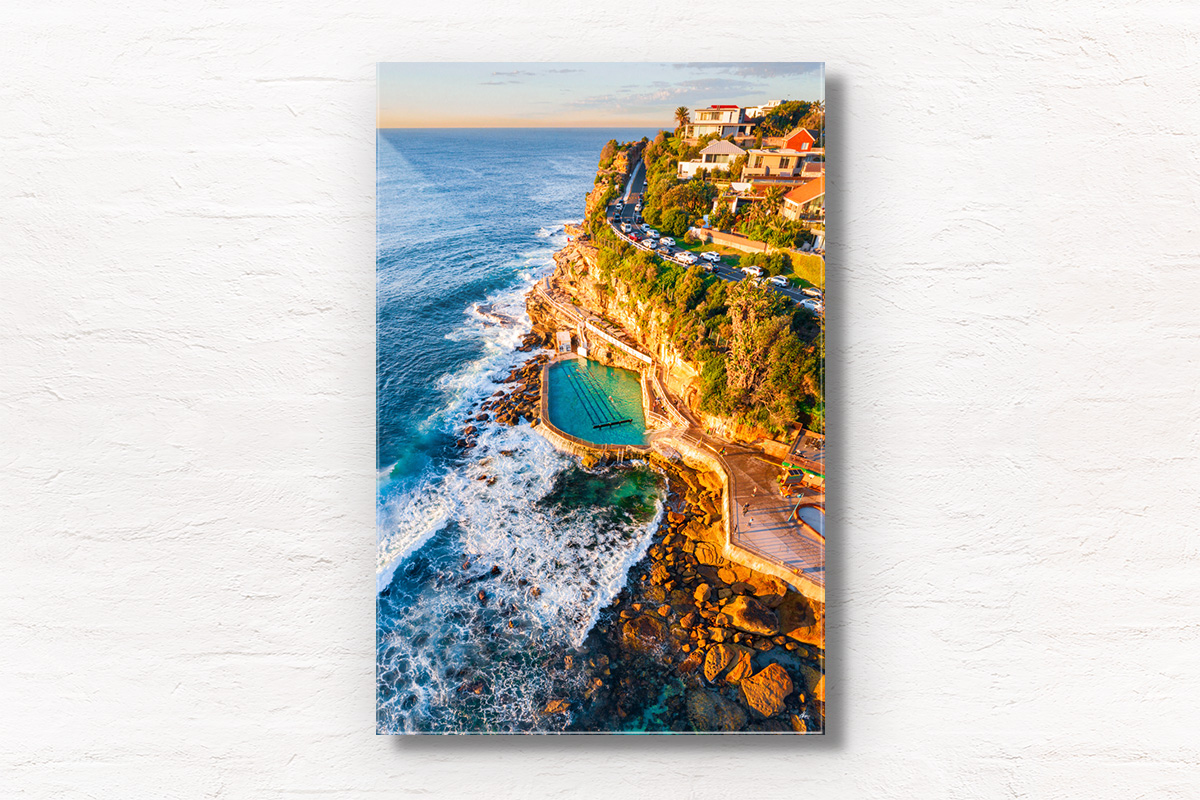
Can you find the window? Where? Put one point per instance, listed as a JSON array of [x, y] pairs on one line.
[[784, 163], [758, 161]]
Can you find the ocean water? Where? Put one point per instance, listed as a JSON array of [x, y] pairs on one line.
[[492, 563]]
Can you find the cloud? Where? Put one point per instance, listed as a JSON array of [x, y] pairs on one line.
[[516, 72], [756, 69], [659, 94], [497, 83], [563, 71]]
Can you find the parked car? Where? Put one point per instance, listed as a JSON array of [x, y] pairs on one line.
[[633, 237], [667, 240], [638, 207], [755, 271], [710, 255], [811, 291], [687, 258], [652, 233], [625, 227], [779, 280]]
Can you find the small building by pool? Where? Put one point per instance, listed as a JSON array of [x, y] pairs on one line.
[[596, 403]]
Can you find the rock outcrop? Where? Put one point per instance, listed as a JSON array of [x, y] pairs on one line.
[[766, 691], [748, 614]]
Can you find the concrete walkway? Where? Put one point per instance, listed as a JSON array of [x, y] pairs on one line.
[[760, 517]]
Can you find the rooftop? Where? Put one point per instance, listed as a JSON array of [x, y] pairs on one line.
[[806, 191], [722, 147]]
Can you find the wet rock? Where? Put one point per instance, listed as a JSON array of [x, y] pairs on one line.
[[642, 633], [692, 663], [556, 707], [703, 592], [708, 711], [748, 614], [483, 597], [798, 724], [802, 620], [766, 691]]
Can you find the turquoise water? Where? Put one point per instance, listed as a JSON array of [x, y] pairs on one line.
[[468, 218], [585, 394]]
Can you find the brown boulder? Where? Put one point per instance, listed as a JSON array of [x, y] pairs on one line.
[[703, 592], [802, 620], [708, 711], [748, 614], [722, 657], [765, 692]]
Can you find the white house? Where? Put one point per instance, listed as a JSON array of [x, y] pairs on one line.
[[723, 120], [754, 112], [717, 155]]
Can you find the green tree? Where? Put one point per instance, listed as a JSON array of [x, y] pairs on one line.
[[675, 222], [736, 167], [753, 329], [608, 153], [681, 117], [784, 117]]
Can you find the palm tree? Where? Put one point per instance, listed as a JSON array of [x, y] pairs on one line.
[[681, 117], [773, 199]]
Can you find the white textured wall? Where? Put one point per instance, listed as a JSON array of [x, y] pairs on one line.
[[186, 499]]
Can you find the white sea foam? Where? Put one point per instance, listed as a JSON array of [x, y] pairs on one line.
[[491, 505]]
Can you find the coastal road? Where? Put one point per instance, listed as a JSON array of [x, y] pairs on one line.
[[627, 213]]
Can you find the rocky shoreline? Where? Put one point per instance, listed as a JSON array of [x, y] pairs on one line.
[[694, 642]]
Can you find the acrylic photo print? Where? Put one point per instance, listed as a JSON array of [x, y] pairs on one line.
[[600, 307]]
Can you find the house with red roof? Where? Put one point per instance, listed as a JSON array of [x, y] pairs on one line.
[[801, 139], [805, 201]]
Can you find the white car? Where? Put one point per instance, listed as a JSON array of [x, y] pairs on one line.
[[755, 271], [779, 280], [687, 258], [710, 255], [625, 227], [653, 234], [638, 207], [668, 241], [812, 291]]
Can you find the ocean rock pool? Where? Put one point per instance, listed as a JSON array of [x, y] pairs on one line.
[[596, 403]]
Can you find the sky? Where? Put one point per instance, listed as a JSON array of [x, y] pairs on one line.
[[542, 94]]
